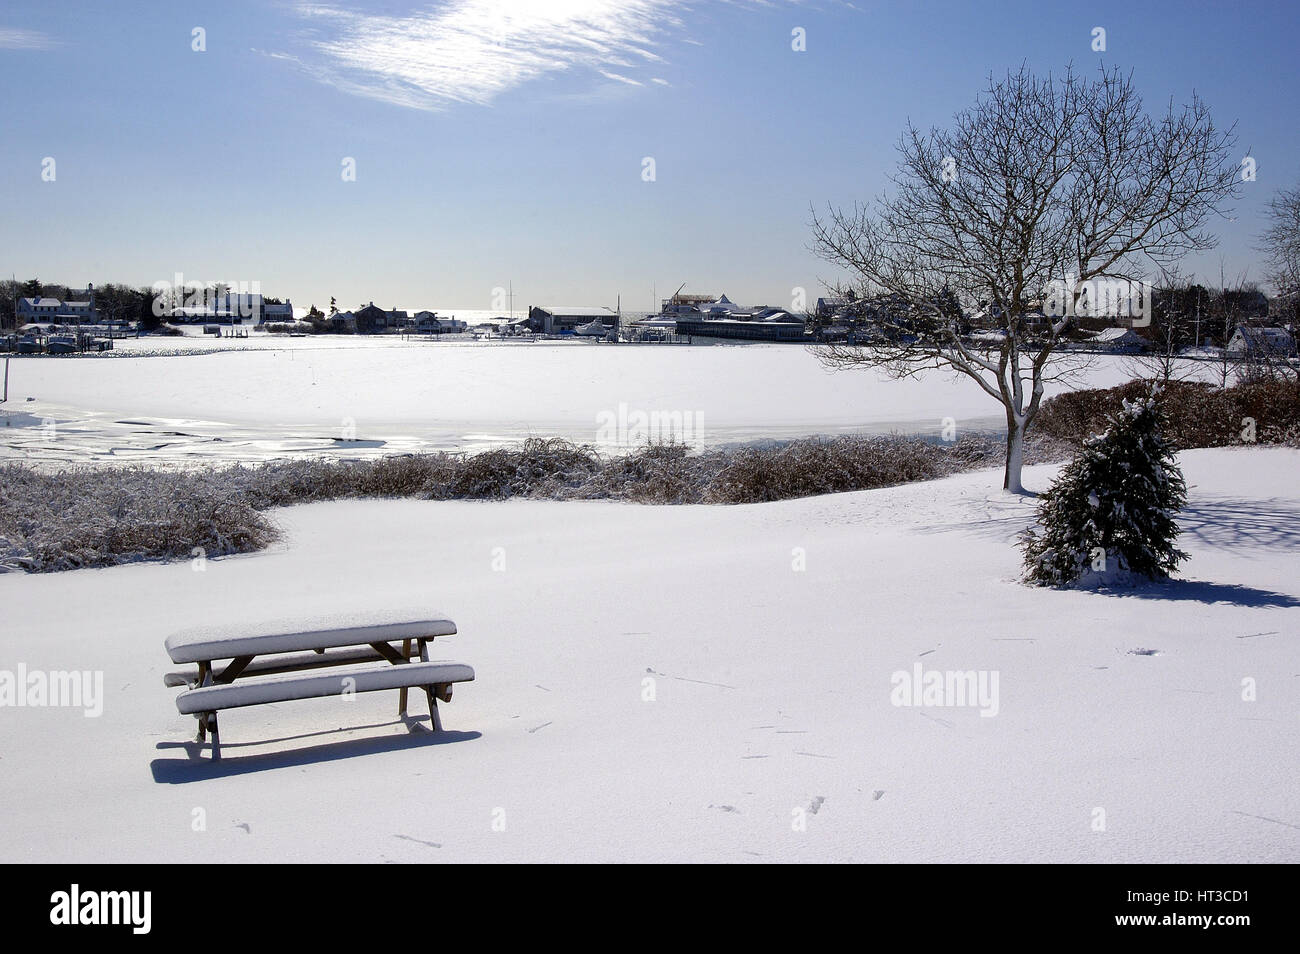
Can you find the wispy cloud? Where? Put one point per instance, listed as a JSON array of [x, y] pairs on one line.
[[12, 38], [473, 51], [620, 78]]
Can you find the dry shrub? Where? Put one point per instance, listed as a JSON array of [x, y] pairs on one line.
[[1200, 415], [77, 518], [812, 466], [540, 467], [82, 517], [1273, 405], [655, 473]]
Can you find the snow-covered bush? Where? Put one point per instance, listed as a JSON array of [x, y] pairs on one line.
[[655, 473], [812, 466], [1199, 414], [83, 517], [1108, 517], [540, 467]]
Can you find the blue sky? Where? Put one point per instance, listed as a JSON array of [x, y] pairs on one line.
[[504, 142]]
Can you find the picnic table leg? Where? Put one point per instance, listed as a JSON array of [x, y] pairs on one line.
[[216, 738], [433, 709], [401, 695], [205, 678]]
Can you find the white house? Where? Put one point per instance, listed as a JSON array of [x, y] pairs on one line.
[[31, 310], [37, 309], [1274, 342], [224, 307]]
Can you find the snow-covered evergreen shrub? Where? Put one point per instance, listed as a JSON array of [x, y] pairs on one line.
[[1109, 516]]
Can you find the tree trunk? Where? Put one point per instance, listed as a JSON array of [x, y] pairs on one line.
[[1015, 457]]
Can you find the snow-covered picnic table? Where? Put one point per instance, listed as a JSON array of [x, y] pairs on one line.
[[274, 661]]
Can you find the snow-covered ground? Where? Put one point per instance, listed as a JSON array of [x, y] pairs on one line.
[[368, 396], [1121, 732]]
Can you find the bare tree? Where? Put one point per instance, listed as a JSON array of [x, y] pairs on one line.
[[1176, 308], [1044, 180], [1226, 316], [1281, 245]]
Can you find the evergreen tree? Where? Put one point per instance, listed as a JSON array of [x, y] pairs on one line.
[[149, 321], [1109, 516]]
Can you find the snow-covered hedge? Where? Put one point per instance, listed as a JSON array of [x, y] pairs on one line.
[[1198, 414], [82, 517]]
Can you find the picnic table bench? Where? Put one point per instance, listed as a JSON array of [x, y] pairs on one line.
[[278, 661]]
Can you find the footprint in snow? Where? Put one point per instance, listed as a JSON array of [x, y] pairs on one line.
[[419, 841], [1144, 652], [875, 796]]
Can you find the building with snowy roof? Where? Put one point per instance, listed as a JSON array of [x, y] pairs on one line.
[[1262, 342], [559, 319]]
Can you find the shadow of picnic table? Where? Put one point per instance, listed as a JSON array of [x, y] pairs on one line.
[[193, 767]]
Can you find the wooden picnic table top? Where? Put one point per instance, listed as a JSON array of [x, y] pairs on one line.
[[294, 634]]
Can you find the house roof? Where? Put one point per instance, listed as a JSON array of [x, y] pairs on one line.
[[577, 311], [1268, 334], [1114, 334], [41, 302]]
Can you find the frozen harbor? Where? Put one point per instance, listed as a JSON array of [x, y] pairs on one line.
[[263, 398]]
